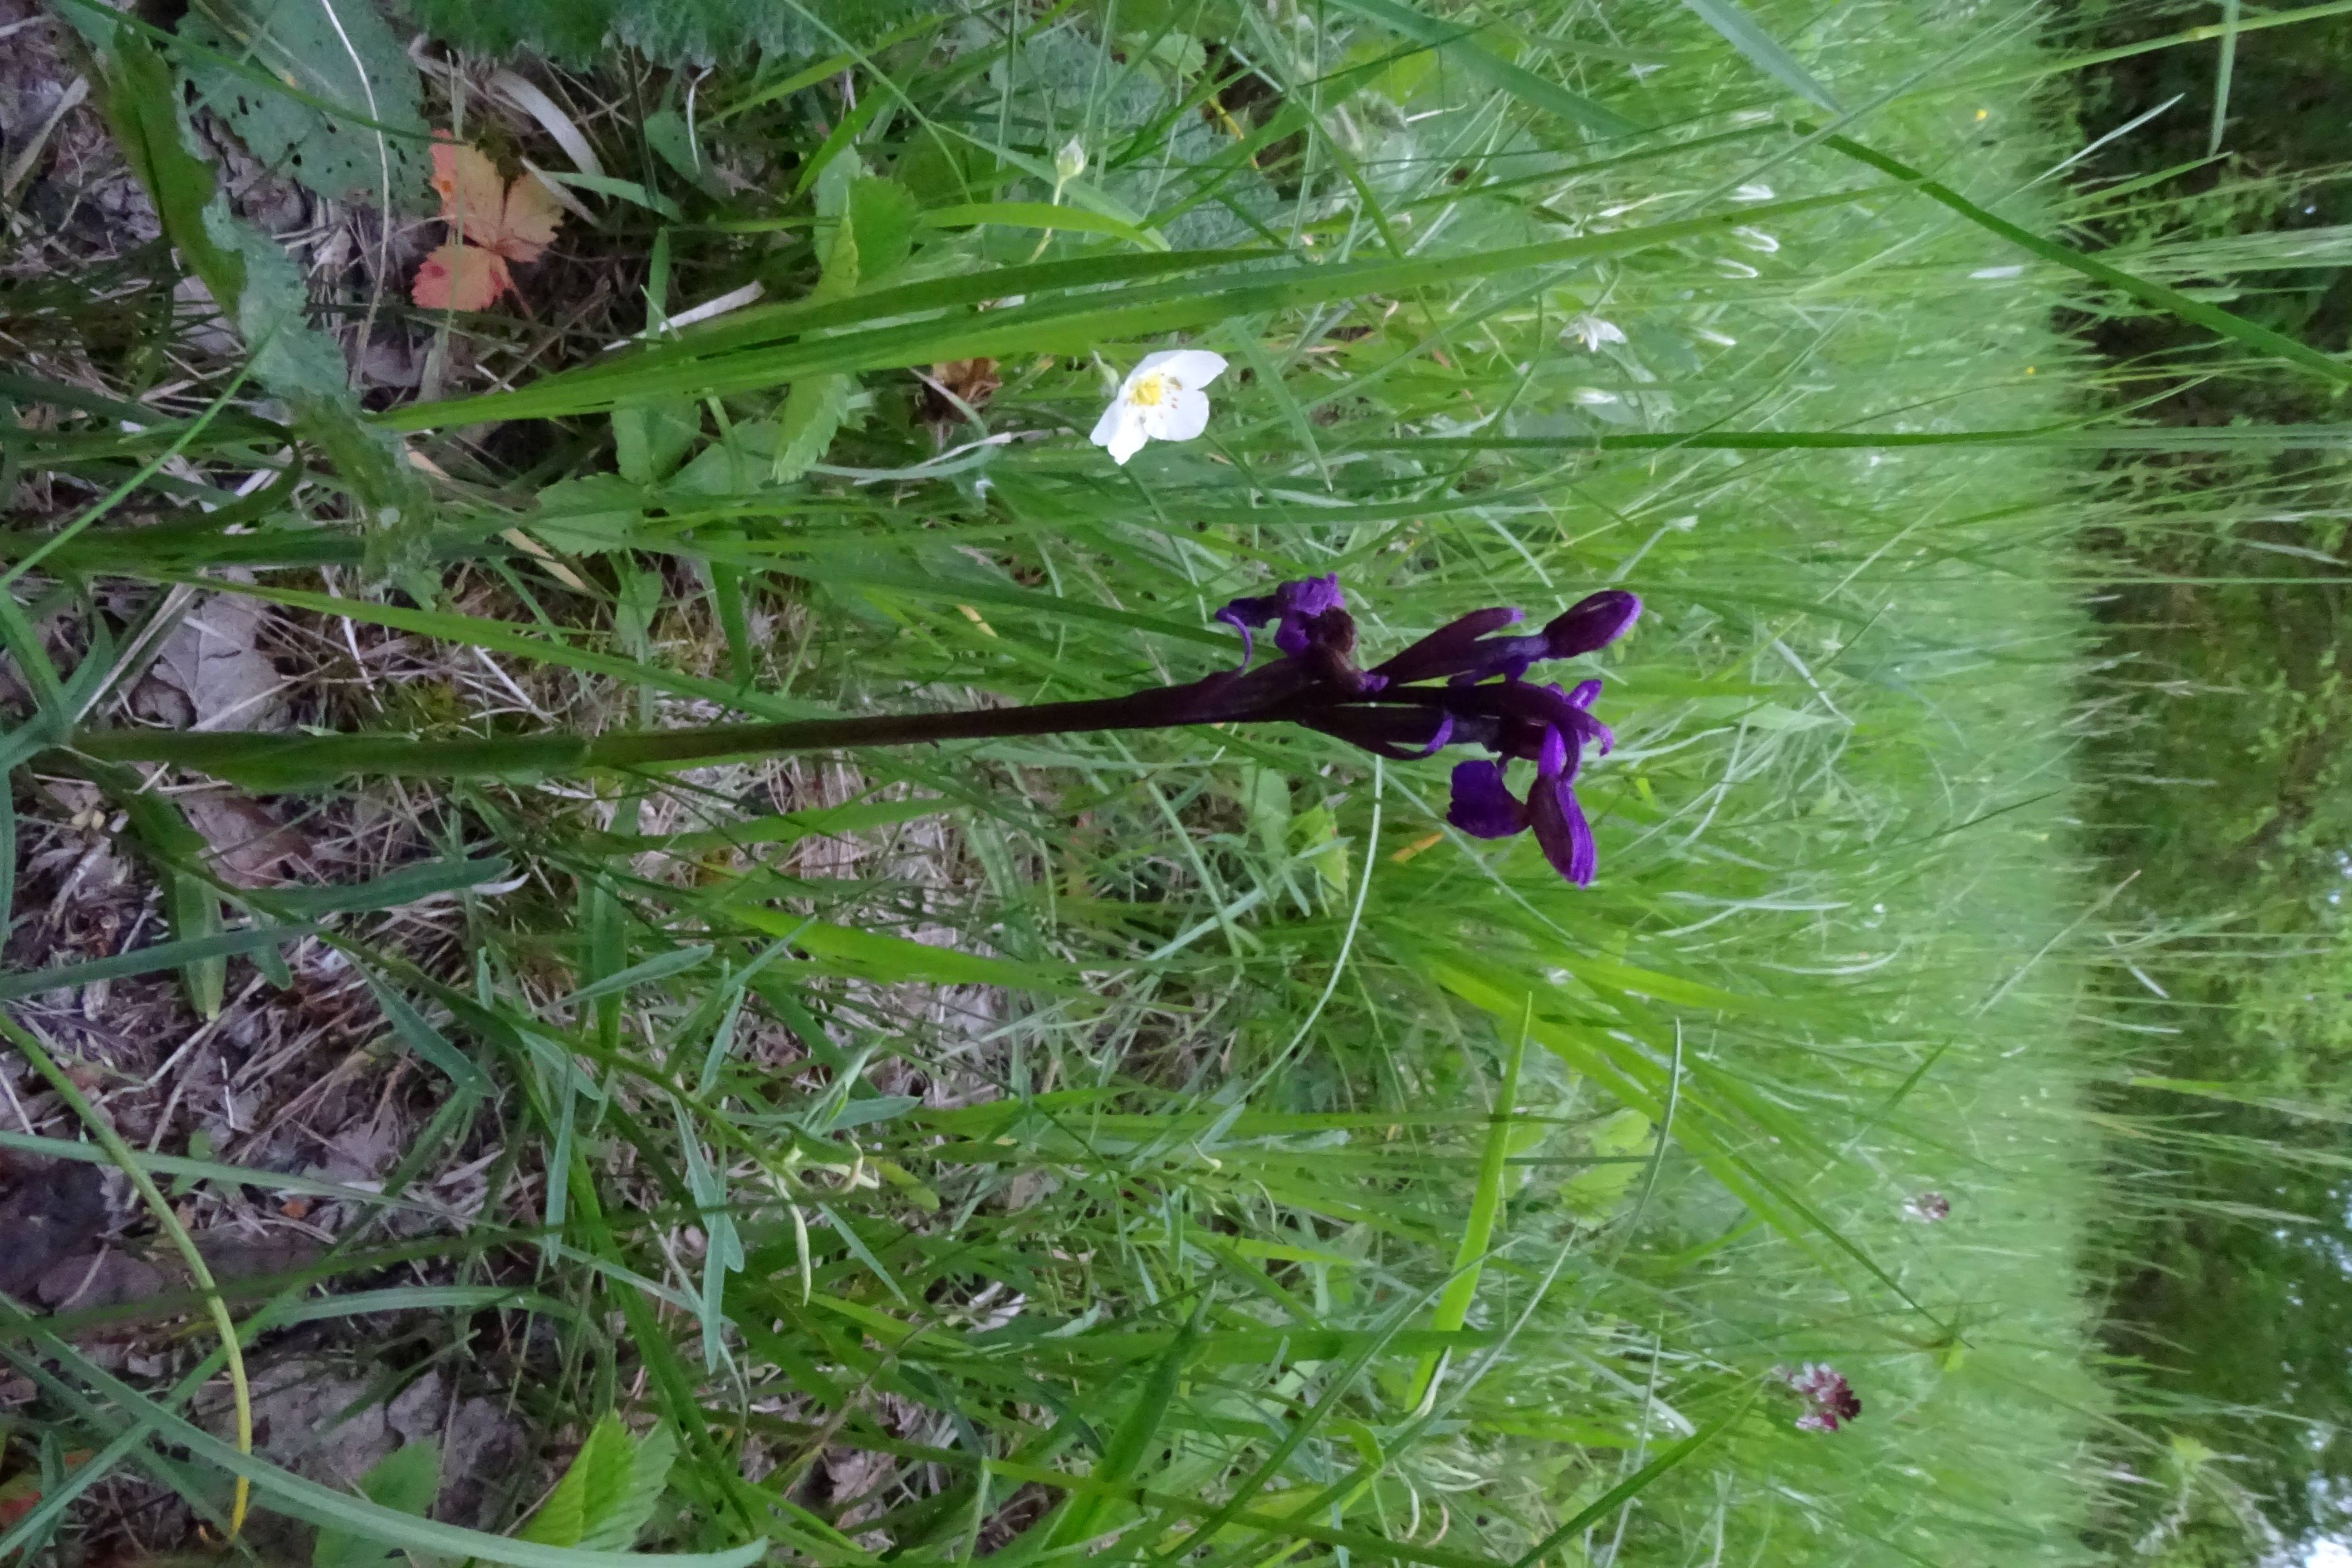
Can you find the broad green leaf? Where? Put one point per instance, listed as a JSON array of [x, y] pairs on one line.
[[407, 1478], [332, 51], [1618, 1140], [882, 216], [813, 411], [650, 438]]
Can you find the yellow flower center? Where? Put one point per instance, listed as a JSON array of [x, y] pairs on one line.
[[1151, 392]]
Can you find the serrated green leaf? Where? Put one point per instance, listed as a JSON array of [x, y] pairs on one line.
[[882, 214], [334, 51], [609, 1492], [1266, 801], [650, 439], [1617, 1141], [736, 463], [407, 1478], [590, 515], [290, 357], [135, 92], [649, 1468], [1316, 836], [813, 411]]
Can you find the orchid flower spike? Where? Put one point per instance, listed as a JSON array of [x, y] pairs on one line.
[[1464, 684], [1160, 400]]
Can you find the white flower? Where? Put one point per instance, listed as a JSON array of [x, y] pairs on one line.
[[1594, 332], [1160, 400], [1070, 162]]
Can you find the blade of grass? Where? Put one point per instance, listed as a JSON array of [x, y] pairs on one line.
[[1485, 1208], [1081, 1517], [102, 1128], [2221, 74], [306, 1500], [147, 959], [1457, 44], [1762, 50], [1632, 1485], [2221, 323]]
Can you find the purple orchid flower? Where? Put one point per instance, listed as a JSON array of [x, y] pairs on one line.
[[1462, 684], [1831, 1398], [1295, 605]]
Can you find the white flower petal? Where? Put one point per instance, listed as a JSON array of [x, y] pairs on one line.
[[1107, 427], [1186, 417], [1192, 368], [1126, 438]]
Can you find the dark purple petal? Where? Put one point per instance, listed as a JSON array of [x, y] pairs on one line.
[[1451, 649], [1832, 1398], [1561, 828], [1555, 762], [1303, 605], [1509, 658], [1310, 596], [1401, 734], [1593, 731], [1231, 615], [1593, 622], [1483, 807], [1530, 711], [1250, 612]]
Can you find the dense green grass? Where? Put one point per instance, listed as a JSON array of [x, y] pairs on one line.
[[1109, 1113]]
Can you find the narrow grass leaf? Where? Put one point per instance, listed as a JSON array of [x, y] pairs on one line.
[[1762, 50], [1632, 1485], [416, 1032], [2237, 328], [1455, 42], [147, 959]]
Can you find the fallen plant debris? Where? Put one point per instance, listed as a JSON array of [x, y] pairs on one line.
[[55, 1211]]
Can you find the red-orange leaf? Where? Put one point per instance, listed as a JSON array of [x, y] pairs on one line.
[[461, 276], [493, 223]]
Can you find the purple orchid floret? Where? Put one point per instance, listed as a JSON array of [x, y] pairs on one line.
[[1831, 1399], [1295, 606], [1461, 685], [1593, 622]]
